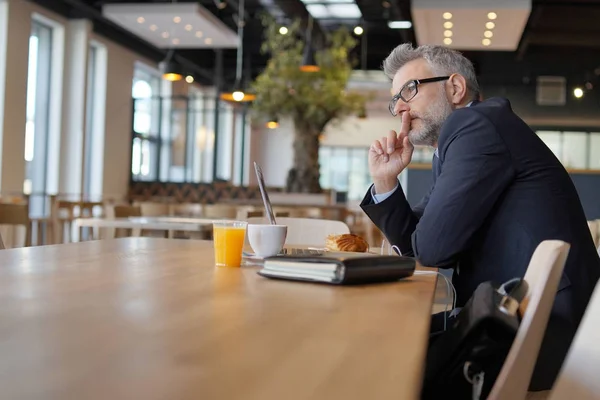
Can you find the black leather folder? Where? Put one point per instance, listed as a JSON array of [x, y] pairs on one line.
[[339, 268]]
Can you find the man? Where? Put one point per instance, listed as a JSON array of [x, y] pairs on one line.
[[498, 191]]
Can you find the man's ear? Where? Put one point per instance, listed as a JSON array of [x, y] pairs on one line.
[[458, 88]]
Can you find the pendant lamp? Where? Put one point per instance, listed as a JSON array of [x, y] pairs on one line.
[[309, 63], [169, 69], [237, 94]]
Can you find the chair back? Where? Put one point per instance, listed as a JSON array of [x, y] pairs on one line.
[[124, 211], [14, 215], [578, 378], [543, 276], [307, 231]]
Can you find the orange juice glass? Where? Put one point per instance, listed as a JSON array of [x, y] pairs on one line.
[[229, 237]]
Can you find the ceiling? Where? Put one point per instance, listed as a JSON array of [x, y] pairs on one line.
[[530, 37], [179, 25]]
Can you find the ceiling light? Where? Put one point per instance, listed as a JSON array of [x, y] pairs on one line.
[[448, 25], [199, 34], [358, 30], [165, 34], [486, 42], [283, 30], [318, 10], [448, 33], [400, 24], [447, 15], [238, 95], [578, 92], [153, 27], [177, 20], [273, 123], [488, 34], [386, 4], [490, 25], [189, 79], [141, 20], [344, 10], [492, 15], [221, 5], [208, 40], [447, 41], [175, 41], [188, 27]]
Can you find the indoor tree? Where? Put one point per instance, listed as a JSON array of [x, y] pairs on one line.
[[311, 99]]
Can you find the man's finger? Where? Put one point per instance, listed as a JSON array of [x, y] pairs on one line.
[[392, 142], [405, 127], [376, 147], [384, 144]]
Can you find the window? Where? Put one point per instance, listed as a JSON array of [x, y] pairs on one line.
[[574, 149], [146, 124], [203, 136], [174, 136], [594, 150], [345, 170], [38, 116], [552, 140], [423, 154], [224, 150]]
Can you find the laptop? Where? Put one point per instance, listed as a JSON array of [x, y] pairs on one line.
[[271, 216]]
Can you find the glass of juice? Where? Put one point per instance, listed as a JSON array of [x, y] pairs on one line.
[[229, 237]]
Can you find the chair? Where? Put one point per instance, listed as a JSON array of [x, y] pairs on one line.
[[226, 211], [594, 230], [307, 231], [126, 211], [15, 215], [543, 275], [578, 378]]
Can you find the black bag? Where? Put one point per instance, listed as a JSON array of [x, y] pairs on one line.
[[464, 361]]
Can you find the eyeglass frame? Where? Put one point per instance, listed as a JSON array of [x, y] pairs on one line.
[[416, 82]]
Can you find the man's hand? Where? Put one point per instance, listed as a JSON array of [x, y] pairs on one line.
[[389, 156]]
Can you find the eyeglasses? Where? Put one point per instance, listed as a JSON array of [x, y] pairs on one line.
[[410, 90]]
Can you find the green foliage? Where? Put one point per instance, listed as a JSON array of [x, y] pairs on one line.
[[311, 99]]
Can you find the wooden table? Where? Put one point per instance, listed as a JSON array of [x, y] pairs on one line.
[[142, 318]]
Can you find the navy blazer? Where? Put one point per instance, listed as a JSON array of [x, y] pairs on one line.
[[498, 192]]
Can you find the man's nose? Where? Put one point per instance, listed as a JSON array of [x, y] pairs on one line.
[[401, 107]]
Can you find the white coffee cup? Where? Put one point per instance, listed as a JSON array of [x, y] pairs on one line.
[[266, 240]]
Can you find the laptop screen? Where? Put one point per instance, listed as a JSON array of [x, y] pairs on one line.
[[264, 194]]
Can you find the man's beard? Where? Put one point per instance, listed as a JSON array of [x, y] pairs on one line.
[[431, 122]]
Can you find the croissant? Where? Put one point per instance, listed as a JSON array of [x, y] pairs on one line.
[[346, 242]]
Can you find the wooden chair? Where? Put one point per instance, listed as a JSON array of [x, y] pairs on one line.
[[543, 276], [226, 211], [150, 209], [595, 231], [307, 231], [578, 378], [186, 210], [15, 215], [126, 211], [65, 211]]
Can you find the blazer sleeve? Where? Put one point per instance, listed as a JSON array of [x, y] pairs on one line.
[[477, 168], [395, 218]]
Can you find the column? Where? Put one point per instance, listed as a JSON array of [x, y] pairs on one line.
[[74, 107], [15, 29]]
